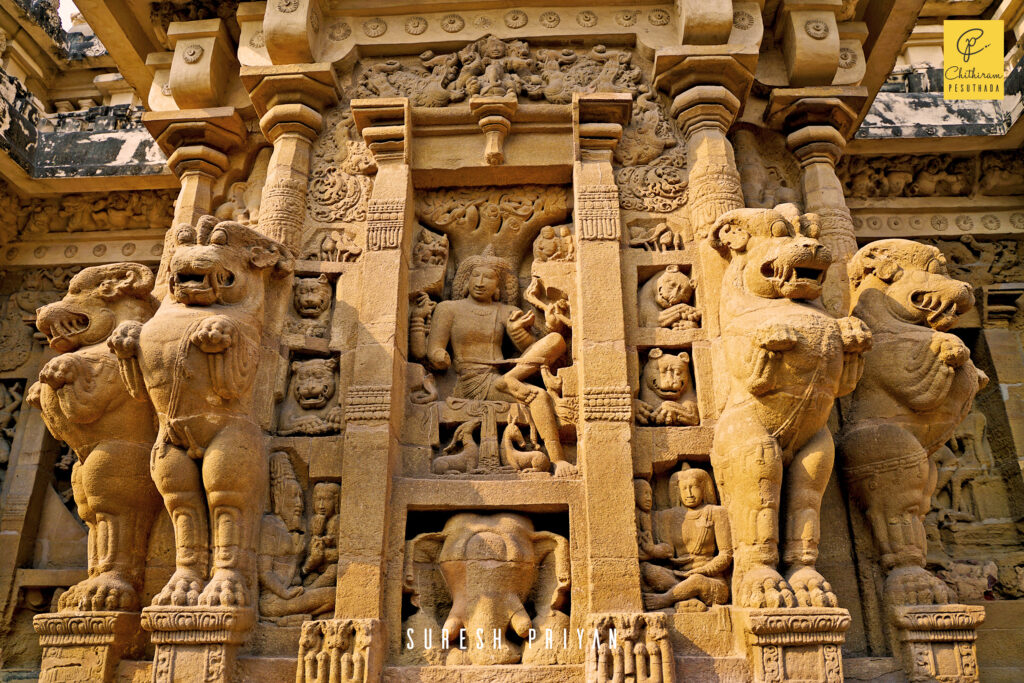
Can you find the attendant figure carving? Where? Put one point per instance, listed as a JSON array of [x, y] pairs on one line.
[[788, 361], [919, 384], [696, 539], [85, 403], [196, 359]]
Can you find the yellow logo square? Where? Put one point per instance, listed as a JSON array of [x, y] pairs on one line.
[[972, 53]]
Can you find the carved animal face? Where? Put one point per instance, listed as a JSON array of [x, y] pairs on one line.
[[312, 296], [98, 300], [777, 256], [667, 375], [222, 263], [918, 289], [313, 382], [673, 287]]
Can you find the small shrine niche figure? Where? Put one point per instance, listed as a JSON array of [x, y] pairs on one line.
[[283, 597], [665, 301], [648, 549], [696, 529], [474, 324], [554, 243], [322, 559]]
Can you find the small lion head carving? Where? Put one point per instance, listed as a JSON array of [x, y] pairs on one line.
[[98, 300], [313, 382], [222, 262], [667, 375], [312, 296], [918, 288], [773, 253]]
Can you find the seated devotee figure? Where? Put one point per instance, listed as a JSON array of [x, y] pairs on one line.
[[697, 529]]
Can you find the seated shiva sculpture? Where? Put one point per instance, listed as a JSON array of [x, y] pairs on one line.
[[694, 537], [474, 323]]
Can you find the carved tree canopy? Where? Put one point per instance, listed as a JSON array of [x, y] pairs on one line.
[[509, 219]]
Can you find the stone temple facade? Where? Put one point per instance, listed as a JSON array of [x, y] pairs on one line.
[[476, 341]]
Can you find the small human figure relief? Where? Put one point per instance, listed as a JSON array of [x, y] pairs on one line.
[[498, 574], [788, 360], [285, 598], [340, 651], [553, 304], [339, 246], [11, 395], [694, 537], [474, 325], [323, 530], [554, 243], [662, 237], [196, 359], [919, 383], [312, 304], [665, 301], [647, 549], [85, 403], [667, 393], [311, 406], [430, 249]]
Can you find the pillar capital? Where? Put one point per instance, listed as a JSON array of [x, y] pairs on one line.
[[702, 106], [598, 121], [220, 129], [291, 98], [792, 108], [816, 143], [734, 73], [386, 127]]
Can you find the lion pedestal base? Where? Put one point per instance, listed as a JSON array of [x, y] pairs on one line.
[[86, 646], [340, 651], [196, 643], [936, 642], [796, 644]]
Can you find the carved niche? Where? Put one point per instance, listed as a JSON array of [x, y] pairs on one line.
[[37, 287], [312, 300], [479, 390], [312, 406], [494, 572]]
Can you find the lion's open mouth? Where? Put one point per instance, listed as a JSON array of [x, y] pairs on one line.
[[313, 400], [792, 274], [67, 324], [201, 286], [938, 307]]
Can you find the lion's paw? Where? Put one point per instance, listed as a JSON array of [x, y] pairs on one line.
[[215, 334], [124, 341], [227, 588], [916, 586], [776, 337], [856, 336], [810, 588], [182, 590], [763, 587], [60, 371]]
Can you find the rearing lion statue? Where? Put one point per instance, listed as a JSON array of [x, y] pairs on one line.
[[196, 359], [84, 403], [918, 385], [789, 360]]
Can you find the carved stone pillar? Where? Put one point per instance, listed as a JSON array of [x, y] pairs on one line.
[[705, 113], [803, 643], [290, 104], [936, 642], [818, 148], [86, 646], [606, 417], [374, 404], [631, 647]]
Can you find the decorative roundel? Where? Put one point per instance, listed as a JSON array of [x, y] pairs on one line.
[[375, 27], [817, 29], [339, 31], [192, 54], [516, 18], [940, 223], [453, 23], [658, 17], [549, 19], [586, 18], [414, 26], [743, 20]]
